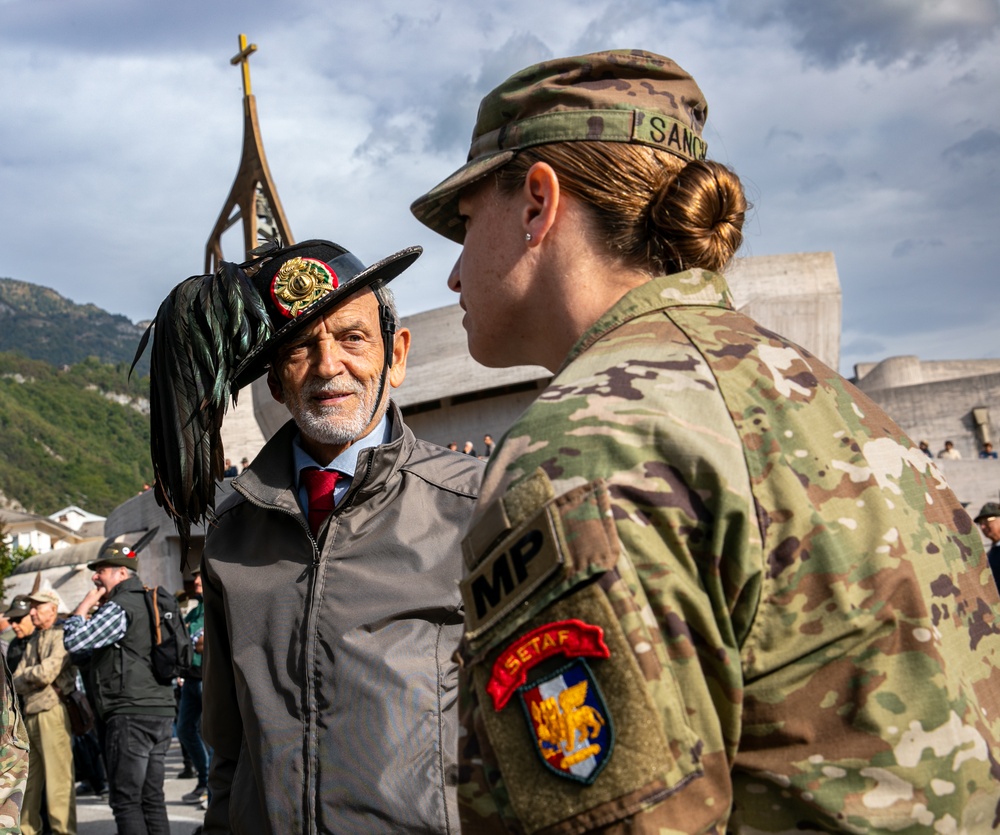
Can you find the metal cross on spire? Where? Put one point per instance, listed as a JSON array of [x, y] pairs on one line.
[[253, 197], [243, 57]]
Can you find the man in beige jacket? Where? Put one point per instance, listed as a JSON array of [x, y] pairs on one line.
[[44, 672]]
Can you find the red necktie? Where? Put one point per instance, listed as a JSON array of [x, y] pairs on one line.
[[319, 489]]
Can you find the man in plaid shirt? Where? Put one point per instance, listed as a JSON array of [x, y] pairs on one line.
[[137, 710]]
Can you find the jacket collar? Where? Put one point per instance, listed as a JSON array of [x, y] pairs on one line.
[[270, 478], [127, 585], [690, 288]]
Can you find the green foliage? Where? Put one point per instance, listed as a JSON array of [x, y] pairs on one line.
[[37, 322], [10, 558], [65, 442]]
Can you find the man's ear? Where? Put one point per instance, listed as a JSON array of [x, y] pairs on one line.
[[274, 384], [541, 194], [400, 349]]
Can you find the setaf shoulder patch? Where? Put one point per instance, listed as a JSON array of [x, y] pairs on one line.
[[570, 721], [572, 638]]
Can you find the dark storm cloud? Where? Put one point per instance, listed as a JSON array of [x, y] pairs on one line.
[[821, 173], [914, 246], [984, 144], [124, 26], [781, 137], [455, 101], [832, 32]]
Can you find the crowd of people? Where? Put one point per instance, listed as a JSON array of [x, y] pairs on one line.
[[950, 453], [469, 448], [703, 583], [97, 720]]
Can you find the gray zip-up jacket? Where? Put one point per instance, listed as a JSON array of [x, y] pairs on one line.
[[329, 685]]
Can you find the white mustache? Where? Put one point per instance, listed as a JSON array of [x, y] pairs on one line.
[[312, 389]]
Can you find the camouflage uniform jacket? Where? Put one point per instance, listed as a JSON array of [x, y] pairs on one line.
[[13, 758], [797, 627], [45, 663]]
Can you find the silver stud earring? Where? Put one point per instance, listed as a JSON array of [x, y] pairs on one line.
[[527, 236]]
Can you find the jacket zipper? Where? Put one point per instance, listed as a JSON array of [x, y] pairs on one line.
[[311, 742]]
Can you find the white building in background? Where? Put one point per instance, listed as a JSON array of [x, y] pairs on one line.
[[79, 520], [39, 533]]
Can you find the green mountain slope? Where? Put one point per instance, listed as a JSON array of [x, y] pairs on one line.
[[39, 323], [71, 436]]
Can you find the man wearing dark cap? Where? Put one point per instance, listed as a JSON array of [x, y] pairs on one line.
[[331, 574], [17, 615], [44, 672], [988, 520], [137, 710]]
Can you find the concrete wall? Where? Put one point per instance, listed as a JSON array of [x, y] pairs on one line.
[[469, 421], [974, 482], [909, 370], [940, 411], [795, 295]]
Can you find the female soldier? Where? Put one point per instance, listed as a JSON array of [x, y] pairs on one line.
[[711, 587]]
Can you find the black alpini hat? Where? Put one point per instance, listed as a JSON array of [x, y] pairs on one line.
[[216, 333]]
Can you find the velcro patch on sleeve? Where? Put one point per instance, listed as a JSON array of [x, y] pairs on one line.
[[511, 572]]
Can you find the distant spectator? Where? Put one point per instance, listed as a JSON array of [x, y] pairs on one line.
[[988, 520], [23, 628], [189, 712], [453, 446], [244, 463], [949, 452], [44, 673], [487, 445], [231, 471], [987, 451], [469, 449], [925, 449]]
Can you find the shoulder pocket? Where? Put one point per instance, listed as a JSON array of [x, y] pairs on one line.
[[584, 724], [528, 549]]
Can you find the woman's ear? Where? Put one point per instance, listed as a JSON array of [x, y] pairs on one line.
[[541, 196]]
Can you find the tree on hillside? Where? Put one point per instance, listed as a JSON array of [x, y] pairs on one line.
[[10, 557]]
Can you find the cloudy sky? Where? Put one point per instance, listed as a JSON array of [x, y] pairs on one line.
[[869, 128]]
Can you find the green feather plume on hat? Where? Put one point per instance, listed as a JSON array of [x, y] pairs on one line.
[[201, 332]]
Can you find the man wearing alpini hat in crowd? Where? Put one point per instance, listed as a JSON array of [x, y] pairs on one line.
[[44, 671], [137, 711], [331, 574]]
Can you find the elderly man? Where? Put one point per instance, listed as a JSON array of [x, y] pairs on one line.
[[138, 711], [988, 520], [43, 673], [331, 574], [18, 617]]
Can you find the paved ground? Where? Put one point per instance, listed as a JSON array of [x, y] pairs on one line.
[[94, 815]]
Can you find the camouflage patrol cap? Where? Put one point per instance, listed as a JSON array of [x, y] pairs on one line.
[[626, 96], [19, 607], [987, 510]]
